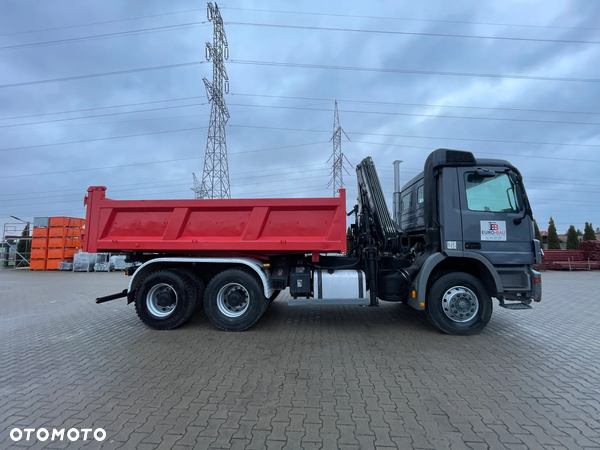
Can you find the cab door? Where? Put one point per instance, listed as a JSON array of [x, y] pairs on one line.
[[492, 210]]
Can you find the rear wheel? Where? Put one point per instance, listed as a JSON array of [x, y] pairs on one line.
[[234, 300], [459, 304], [165, 299], [197, 284]]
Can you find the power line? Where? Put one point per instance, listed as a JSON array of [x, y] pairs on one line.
[[54, 211], [436, 116], [270, 193], [167, 192], [413, 33], [411, 19], [304, 27], [410, 71], [187, 25], [102, 115], [564, 181], [103, 74], [101, 23], [305, 66], [262, 176], [164, 118], [517, 155], [354, 141], [27, 147], [155, 162], [98, 168], [424, 137], [80, 194], [280, 148], [123, 105], [385, 177], [305, 130], [529, 179], [158, 181], [427, 105], [82, 190], [106, 35], [578, 203], [299, 108]]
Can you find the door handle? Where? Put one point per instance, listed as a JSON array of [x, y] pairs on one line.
[[473, 245]]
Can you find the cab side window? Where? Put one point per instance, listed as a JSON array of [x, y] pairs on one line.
[[420, 196], [406, 202]]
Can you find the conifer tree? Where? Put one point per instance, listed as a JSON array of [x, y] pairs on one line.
[[553, 241], [572, 239], [588, 232]]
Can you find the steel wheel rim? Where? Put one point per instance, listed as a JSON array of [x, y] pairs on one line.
[[460, 304], [226, 307], [152, 300]]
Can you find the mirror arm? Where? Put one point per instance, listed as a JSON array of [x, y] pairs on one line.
[[526, 206]]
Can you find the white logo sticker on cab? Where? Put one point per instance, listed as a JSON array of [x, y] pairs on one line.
[[493, 230]]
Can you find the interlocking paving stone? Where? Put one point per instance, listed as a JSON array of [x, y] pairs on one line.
[[303, 377]]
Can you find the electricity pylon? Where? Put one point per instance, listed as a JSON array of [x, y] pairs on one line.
[[337, 178], [215, 178]]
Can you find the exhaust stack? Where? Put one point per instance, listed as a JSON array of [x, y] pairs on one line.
[[397, 192]]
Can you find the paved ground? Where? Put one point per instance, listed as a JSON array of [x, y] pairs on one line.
[[336, 377]]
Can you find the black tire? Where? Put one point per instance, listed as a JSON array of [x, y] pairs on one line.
[[459, 304], [234, 300], [157, 290], [198, 285], [274, 295]]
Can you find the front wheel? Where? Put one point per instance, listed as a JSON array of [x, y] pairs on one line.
[[459, 304], [234, 300]]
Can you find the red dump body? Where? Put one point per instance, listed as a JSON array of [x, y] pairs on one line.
[[251, 227]]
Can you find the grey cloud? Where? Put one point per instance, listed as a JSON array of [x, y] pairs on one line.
[[304, 168]]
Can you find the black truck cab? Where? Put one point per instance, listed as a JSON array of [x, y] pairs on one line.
[[464, 235]]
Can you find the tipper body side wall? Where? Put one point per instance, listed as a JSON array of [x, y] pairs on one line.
[[196, 227]]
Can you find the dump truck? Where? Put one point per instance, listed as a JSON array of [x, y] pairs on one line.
[[462, 235]]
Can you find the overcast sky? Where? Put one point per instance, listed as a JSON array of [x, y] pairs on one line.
[[58, 136]]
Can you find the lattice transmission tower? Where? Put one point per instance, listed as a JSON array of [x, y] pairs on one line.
[[215, 178], [337, 172]]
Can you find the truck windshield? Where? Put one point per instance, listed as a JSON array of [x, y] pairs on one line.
[[491, 193]]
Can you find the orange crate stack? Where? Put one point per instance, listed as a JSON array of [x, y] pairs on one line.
[[37, 264], [66, 222], [64, 242], [40, 233], [53, 264], [58, 243], [39, 253], [39, 249]]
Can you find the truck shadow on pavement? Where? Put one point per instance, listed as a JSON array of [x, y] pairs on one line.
[[388, 318]]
